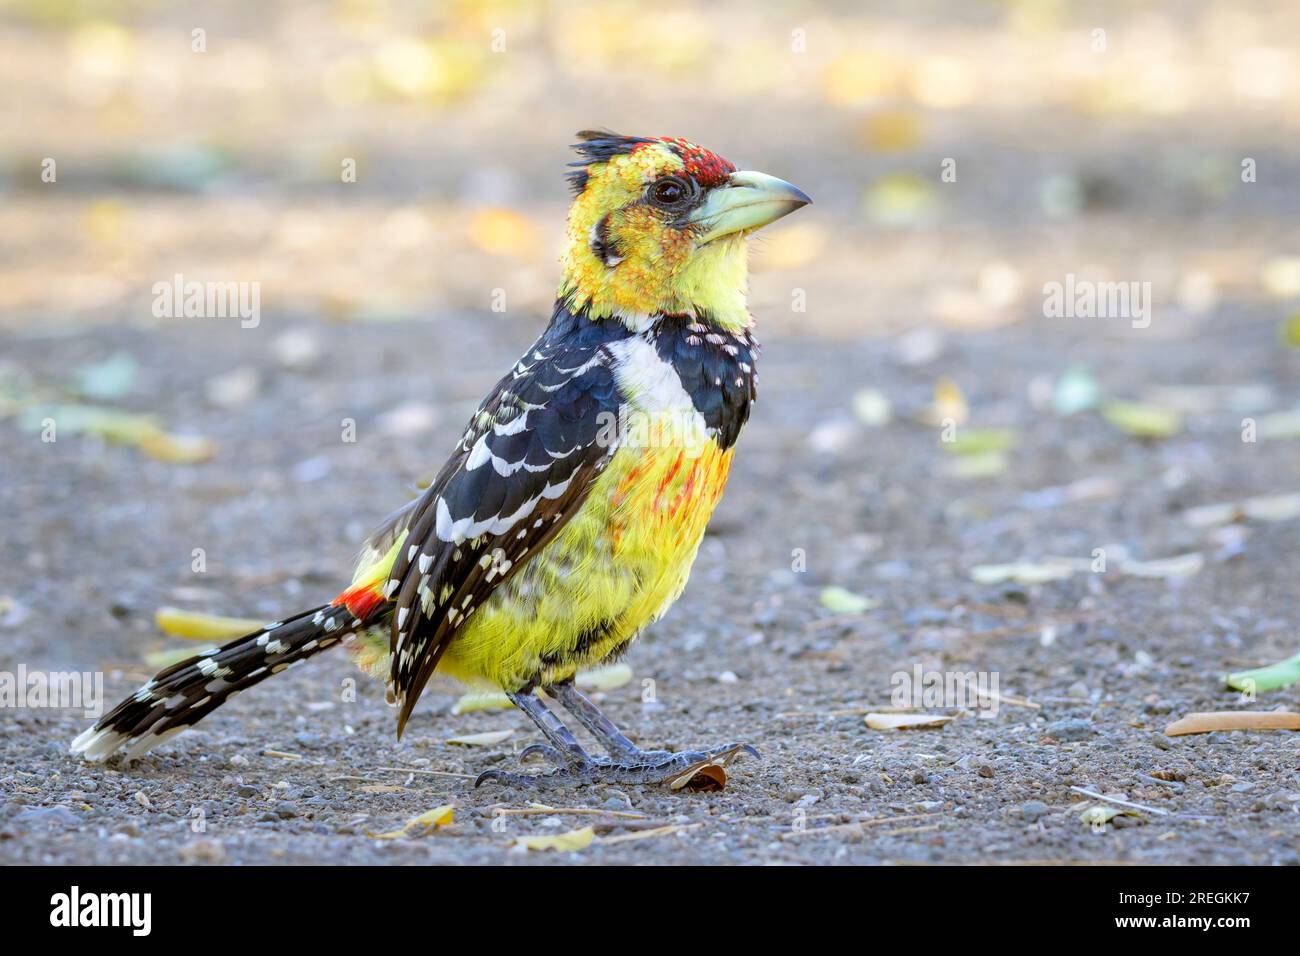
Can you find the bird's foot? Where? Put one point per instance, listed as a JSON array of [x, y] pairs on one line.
[[555, 756], [692, 756], [647, 767]]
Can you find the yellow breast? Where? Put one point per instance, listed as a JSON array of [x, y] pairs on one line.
[[615, 567]]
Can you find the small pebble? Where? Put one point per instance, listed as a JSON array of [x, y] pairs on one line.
[[48, 816], [1034, 810], [1070, 729]]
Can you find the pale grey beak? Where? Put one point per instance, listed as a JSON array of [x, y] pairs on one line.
[[747, 202]]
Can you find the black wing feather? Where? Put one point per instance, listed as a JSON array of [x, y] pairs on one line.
[[464, 536]]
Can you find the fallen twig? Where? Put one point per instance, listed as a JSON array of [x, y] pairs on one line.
[[900, 830], [849, 711], [283, 755], [857, 825], [432, 773], [1208, 722], [1117, 801], [540, 809], [1000, 698], [646, 834]]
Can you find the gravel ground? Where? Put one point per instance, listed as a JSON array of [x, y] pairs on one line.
[[96, 537]]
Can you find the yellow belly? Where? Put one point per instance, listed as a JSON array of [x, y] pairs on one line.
[[614, 568]]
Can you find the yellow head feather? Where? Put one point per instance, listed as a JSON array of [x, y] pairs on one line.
[[626, 257]]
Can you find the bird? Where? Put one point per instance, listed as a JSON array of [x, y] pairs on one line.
[[567, 518]]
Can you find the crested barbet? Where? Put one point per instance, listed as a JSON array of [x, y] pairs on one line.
[[570, 512]]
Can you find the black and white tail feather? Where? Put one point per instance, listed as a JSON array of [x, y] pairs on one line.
[[183, 694]]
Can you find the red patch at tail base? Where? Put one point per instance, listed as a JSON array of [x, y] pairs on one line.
[[361, 600]]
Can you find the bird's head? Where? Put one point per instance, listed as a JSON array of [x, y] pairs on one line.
[[659, 225]]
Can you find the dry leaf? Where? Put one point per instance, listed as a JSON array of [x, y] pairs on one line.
[[568, 842], [709, 778], [1207, 399], [1209, 722], [482, 700], [949, 405], [984, 465], [142, 431], [1099, 815], [906, 721], [707, 775], [1209, 516], [177, 449], [648, 834], [203, 627], [704, 776], [173, 655], [1021, 572], [1182, 566], [604, 678], [1262, 508], [1279, 425], [489, 738], [1142, 421], [1282, 674], [1272, 507], [431, 820], [980, 441], [842, 601]]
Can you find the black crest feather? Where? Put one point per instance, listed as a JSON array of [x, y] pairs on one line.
[[599, 146]]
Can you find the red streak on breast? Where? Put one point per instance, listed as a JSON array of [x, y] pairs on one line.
[[667, 480]]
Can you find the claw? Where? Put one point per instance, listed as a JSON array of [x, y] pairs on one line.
[[647, 768], [499, 776], [574, 767], [543, 750]]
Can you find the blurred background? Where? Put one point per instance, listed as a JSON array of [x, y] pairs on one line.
[[1104, 138]]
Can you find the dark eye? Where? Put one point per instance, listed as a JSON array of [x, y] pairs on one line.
[[670, 191]]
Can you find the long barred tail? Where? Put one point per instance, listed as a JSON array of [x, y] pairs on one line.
[[185, 693]]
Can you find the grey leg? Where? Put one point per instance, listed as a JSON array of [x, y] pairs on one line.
[[597, 724], [575, 767], [564, 747]]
